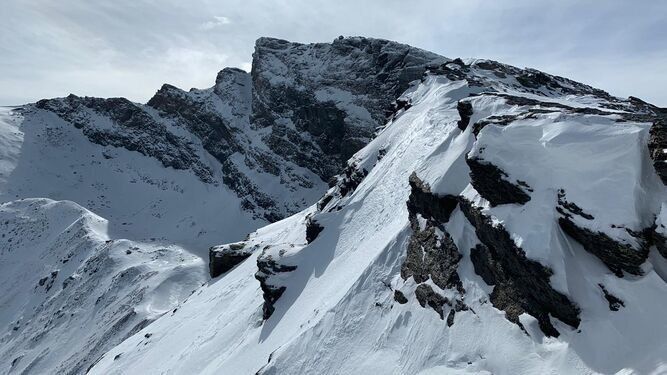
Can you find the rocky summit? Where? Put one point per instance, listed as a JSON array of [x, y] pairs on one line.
[[360, 206]]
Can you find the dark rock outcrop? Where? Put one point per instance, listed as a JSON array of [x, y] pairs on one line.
[[568, 209], [268, 267], [400, 297], [427, 296], [520, 284], [313, 229], [427, 204], [617, 256], [657, 144], [660, 242], [372, 72], [431, 252], [223, 258], [465, 112], [135, 130], [492, 184], [615, 303], [458, 306]]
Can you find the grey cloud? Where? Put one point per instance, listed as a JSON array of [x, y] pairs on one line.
[[129, 48]]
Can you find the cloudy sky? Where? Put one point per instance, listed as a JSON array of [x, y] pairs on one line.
[[129, 48]]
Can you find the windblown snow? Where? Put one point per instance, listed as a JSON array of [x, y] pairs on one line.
[[500, 221], [338, 313]]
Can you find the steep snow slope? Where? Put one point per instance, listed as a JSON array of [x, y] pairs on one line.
[[176, 175], [70, 292], [44, 156], [502, 222]]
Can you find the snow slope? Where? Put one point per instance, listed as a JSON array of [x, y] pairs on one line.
[[526, 247], [70, 292], [174, 176]]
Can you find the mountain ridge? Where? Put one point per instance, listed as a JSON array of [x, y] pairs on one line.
[[480, 207]]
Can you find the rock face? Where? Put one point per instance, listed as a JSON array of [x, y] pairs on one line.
[[268, 267], [508, 201], [286, 124], [335, 94], [520, 284], [491, 183], [657, 143], [617, 256], [223, 258]]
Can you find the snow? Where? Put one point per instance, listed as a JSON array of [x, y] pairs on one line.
[[337, 314], [71, 293]]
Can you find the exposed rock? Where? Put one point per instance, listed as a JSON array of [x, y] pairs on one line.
[[223, 258], [400, 297], [350, 179], [520, 284], [615, 303], [432, 255], [492, 184], [568, 209], [427, 204], [135, 130], [618, 257], [465, 112], [268, 267], [660, 243], [313, 229], [398, 106], [657, 144], [371, 72], [427, 296], [431, 252], [458, 306]]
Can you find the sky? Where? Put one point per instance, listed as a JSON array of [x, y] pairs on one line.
[[129, 48]]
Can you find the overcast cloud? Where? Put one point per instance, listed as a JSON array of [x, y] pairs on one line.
[[130, 47]]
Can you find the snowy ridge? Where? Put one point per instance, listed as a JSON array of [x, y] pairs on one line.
[[480, 218], [529, 229]]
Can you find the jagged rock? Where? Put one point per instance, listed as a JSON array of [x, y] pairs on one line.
[[568, 209], [465, 112], [396, 107], [427, 296], [134, 129], [372, 72], [618, 257], [458, 306], [350, 179], [434, 256], [427, 204], [223, 258], [313, 229], [268, 267], [431, 253], [660, 242], [400, 297], [492, 184], [520, 284], [615, 303], [657, 144]]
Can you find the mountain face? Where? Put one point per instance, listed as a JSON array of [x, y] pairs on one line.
[[480, 218], [503, 221], [183, 172]]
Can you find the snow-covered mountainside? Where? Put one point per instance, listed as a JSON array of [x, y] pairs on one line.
[[70, 292], [174, 176], [504, 221], [479, 218]]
